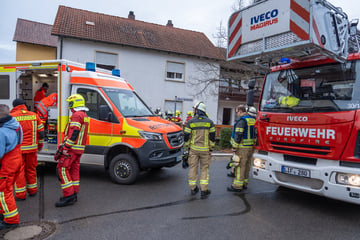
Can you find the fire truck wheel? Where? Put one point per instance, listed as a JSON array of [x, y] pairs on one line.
[[124, 169]]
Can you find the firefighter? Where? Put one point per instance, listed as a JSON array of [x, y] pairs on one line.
[[189, 116], [40, 94], [199, 137], [43, 106], [33, 140], [176, 118], [71, 150], [10, 160], [242, 142]]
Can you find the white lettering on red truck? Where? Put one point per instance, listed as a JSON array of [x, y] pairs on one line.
[[319, 133]]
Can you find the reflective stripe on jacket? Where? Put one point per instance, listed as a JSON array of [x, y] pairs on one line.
[[243, 137], [33, 129], [76, 132], [200, 134]]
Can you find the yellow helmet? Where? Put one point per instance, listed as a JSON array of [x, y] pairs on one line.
[[76, 100], [190, 113], [177, 113]]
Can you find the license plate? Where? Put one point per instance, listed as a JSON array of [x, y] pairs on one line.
[[295, 171]]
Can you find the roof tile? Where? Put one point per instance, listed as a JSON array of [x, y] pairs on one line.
[[71, 22], [34, 32]]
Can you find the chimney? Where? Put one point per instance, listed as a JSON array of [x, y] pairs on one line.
[[169, 23], [131, 15]]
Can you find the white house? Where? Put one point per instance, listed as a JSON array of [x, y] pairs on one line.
[[167, 66]]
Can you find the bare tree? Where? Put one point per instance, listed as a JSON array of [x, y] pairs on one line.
[[212, 74]]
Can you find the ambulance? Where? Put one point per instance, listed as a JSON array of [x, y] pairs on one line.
[[308, 121], [125, 136]]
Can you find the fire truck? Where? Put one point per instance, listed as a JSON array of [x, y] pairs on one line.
[[308, 121], [125, 136]]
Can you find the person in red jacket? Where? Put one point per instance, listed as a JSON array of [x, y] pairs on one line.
[[33, 140], [70, 151], [43, 107], [40, 94], [10, 161]]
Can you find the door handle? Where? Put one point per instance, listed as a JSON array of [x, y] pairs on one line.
[[122, 132]]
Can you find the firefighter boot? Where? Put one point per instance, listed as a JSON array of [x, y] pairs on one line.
[[195, 191], [205, 194], [66, 201], [4, 225]]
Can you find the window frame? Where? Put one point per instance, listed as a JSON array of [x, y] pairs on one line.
[[182, 79], [106, 66]]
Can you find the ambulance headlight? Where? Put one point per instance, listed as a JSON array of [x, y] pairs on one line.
[[259, 163], [348, 179], [151, 136]]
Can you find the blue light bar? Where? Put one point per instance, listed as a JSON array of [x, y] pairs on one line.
[[116, 72], [90, 66], [285, 60]]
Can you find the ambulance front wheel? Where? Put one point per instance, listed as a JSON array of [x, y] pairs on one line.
[[123, 169]]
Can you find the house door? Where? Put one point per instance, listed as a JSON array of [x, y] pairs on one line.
[[226, 116]]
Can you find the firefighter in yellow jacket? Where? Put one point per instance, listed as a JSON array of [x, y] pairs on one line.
[[242, 142], [199, 136]]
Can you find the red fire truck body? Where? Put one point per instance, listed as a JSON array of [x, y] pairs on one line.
[[308, 120]]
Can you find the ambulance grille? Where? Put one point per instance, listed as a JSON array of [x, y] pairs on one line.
[[296, 148], [176, 139]]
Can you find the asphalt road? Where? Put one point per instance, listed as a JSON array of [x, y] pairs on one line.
[[159, 206]]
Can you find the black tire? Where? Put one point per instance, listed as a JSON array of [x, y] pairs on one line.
[[124, 169]]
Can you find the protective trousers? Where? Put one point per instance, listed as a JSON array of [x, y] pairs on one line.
[[204, 158], [27, 179], [69, 173], [10, 167], [242, 170]]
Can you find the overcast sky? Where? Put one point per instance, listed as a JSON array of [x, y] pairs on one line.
[[196, 15]]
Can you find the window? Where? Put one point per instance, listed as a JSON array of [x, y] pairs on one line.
[[106, 60], [128, 103], [323, 88], [175, 71], [97, 105], [172, 106], [5, 87]]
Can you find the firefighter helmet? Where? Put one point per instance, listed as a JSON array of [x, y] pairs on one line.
[[76, 100], [177, 113], [200, 106], [252, 111], [190, 113]]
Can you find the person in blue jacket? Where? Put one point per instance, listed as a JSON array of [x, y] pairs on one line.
[[10, 162]]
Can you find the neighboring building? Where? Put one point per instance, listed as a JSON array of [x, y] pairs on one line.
[[160, 61], [34, 41]]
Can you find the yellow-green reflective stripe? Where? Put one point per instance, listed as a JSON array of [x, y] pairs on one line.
[[187, 130], [76, 183], [25, 118], [8, 214], [29, 147], [63, 186], [63, 174], [3, 203], [76, 124], [31, 185], [200, 124], [204, 182]]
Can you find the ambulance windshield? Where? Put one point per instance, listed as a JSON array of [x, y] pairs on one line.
[[128, 103], [324, 88]]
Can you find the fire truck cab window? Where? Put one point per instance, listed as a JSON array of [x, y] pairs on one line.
[[322, 88]]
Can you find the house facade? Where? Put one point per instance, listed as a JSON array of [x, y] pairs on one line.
[[167, 66]]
